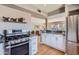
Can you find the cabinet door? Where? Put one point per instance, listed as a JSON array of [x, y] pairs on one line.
[[34, 49], [43, 38], [53, 41], [60, 43], [48, 38], [33, 45], [1, 49]]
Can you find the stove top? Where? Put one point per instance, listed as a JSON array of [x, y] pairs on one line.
[[18, 41]]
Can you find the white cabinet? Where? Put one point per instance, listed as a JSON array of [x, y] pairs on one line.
[[60, 42], [55, 40], [47, 39], [43, 38], [1, 49], [33, 45]]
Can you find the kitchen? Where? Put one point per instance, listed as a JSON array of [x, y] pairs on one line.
[[26, 29]]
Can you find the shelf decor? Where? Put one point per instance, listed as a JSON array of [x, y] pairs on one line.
[[15, 20]]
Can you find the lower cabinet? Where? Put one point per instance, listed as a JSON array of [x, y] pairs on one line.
[[55, 41], [60, 42], [43, 38], [1, 49], [33, 45]]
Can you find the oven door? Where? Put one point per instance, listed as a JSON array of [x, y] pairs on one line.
[[20, 49]]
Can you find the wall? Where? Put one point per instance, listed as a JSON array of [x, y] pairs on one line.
[[56, 18], [36, 21], [8, 12]]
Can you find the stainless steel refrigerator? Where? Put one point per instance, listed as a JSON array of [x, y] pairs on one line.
[[72, 47]]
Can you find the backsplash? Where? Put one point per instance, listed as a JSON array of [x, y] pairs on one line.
[[10, 26]]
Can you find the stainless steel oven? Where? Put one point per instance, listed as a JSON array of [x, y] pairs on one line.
[[16, 43], [20, 48]]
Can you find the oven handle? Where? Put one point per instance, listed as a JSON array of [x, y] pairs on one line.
[[17, 45]]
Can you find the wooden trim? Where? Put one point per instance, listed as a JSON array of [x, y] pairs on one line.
[[77, 29], [66, 34], [46, 23], [74, 12], [60, 10]]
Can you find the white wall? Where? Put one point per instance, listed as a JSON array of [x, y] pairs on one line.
[[36, 21], [9, 12], [57, 17]]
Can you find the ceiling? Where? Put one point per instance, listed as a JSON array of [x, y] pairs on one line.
[[46, 8]]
